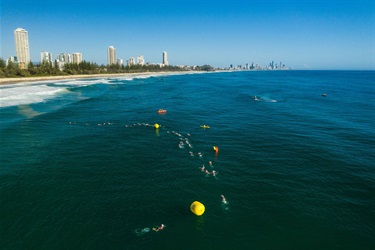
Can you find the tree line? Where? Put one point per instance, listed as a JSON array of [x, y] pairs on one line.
[[52, 69]]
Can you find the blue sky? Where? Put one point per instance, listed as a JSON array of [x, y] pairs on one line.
[[313, 34]]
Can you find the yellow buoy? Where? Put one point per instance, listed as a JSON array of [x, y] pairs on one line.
[[197, 208], [156, 126]]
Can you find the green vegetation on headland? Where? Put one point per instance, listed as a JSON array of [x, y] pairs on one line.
[[83, 68]]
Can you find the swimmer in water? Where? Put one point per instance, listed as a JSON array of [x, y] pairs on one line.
[[191, 153], [202, 168], [208, 173], [223, 199], [214, 173], [210, 162], [161, 227]]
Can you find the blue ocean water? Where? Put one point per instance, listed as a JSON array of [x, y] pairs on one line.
[[82, 166]]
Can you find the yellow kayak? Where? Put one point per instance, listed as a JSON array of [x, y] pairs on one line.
[[205, 126]]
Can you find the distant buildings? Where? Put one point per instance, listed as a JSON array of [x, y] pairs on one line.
[[76, 58], [141, 60], [21, 39], [12, 59], [253, 66], [131, 61], [22, 57], [111, 54], [120, 62], [165, 59], [63, 58], [45, 57]]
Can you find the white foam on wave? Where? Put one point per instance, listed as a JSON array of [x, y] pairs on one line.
[[82, 83], [21, 95], [132, 77]]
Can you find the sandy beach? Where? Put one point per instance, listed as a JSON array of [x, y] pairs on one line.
[[67, 77]]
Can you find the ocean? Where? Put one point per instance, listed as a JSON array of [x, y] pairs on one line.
[[82, 166]]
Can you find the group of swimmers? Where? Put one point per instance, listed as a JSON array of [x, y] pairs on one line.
[[182, 143], [205, 170], [109, 124]]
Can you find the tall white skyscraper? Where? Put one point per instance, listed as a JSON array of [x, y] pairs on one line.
[[165, 58], [111, 55], [76, 58], [45, 57], [21, 39]]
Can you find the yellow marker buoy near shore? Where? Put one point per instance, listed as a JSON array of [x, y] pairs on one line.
[[156, 125], [197, 208]]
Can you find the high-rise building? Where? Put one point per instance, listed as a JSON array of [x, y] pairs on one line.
[[76, 58], [45, 57], [65, 58], [12, 59], [141, 60], [120, 62], [21, 39], [111, 55], [165, 58], [131, 61]]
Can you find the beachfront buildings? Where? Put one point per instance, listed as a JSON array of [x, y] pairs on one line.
[[45, 57], [120, 62], [111, 54], [141, 60], [63, 58], [76, 58], [12, 59], [130, 62], [165, 59], [21, 39]]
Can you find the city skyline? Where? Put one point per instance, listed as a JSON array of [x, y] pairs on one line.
[[23, 52], [304, 35]]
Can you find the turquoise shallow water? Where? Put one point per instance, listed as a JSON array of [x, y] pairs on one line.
[[83, 168]]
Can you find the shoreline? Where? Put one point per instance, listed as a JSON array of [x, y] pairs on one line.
[[6, 81]]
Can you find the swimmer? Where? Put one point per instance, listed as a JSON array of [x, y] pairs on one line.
[[208, 173], [188, 134], [191, 153], [255, 98], [214, 173], [223, 199], [202, 168], [200, 154], [210, 162], [161, 227]]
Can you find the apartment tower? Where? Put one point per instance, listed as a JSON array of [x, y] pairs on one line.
[[76, 58], [111, 55], [165, 58], [45, 57], [21, 39]]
